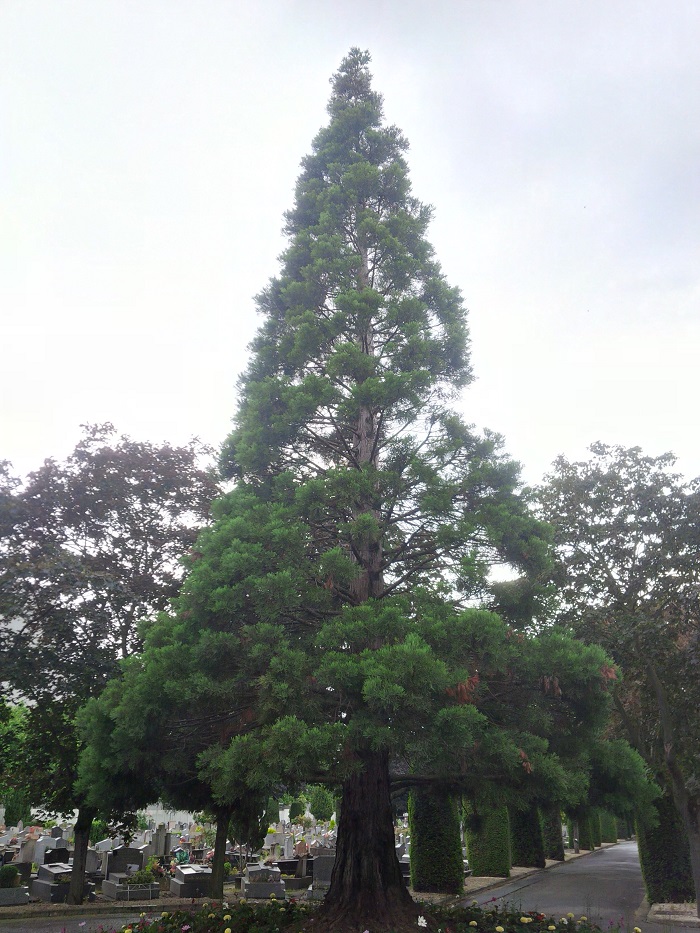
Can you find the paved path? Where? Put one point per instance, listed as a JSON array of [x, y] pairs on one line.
[[605, 886]]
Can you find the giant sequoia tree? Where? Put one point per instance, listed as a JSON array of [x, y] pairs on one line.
[[364, 517]]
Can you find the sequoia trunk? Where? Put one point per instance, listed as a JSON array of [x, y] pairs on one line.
[[366, 884]]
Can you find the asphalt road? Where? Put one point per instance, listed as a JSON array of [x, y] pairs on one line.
[[605, 886]]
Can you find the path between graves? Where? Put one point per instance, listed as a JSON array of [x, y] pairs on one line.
[[675, 914]]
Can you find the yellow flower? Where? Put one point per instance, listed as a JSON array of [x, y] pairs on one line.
[[472, 923], [210, 916], [227, 917], [526, 919], [227, 930], [636, 930], [500, 930], [570, 916], [551, 927], [582, 918], [164, 914], [273, 897]]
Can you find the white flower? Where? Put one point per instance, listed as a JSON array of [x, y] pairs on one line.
[[422, 922]]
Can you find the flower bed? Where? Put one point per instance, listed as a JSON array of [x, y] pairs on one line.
[[275, 916]]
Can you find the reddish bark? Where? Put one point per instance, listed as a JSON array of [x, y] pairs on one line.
[[367, 887]]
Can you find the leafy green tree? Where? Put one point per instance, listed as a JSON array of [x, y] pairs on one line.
[[339, 572], [628, 545], [90, 551], [321, 802], [12, 740]]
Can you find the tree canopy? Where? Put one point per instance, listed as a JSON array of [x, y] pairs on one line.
[[627, 535], [90, 551]]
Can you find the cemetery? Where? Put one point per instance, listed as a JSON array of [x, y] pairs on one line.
[[363, 594]]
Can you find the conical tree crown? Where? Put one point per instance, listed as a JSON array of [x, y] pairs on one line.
[[361, 333]]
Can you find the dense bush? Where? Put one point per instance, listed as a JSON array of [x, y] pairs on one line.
[[436, 846], [665, 857], [527, 841], [552, 834], [488, 840], [8, 876]]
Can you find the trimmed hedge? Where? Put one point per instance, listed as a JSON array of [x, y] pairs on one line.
[[586, 839], [608, 826], [571, 832], [488, 840], [596, 830], [436, 844], [526, 839], [552, 834], [665, 857]]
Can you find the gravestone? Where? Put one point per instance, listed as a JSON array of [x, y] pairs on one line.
[[93, 862], [159, 842], [191, 881], [323, 867], [56, 832], [40, 847], [262, 881], [26, 851], [55, 856], [53, 883], [124, 860]]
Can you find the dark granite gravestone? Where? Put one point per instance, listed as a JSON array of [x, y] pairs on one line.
[[53, 856]]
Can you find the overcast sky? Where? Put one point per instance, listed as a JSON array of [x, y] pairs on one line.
[[148, 149]]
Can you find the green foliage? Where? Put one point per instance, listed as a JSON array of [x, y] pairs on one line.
[[436, 845], [608, 827], [628, 569], [526, 837], [328, 615], [487, 831], [297, 809], [571, 832], [105, 529], [17, 807], [586, 837], [552, 832], [665, 857], [142, 876], [321, 802], [8, 876], [141, 821], [98, 831]]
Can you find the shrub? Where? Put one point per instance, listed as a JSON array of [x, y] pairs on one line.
[[8, 876], [142, 876], [526, 838], [436, 847], [488, 840]]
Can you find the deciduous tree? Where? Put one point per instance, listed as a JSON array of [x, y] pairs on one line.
[[627, 531], [90, 551]]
